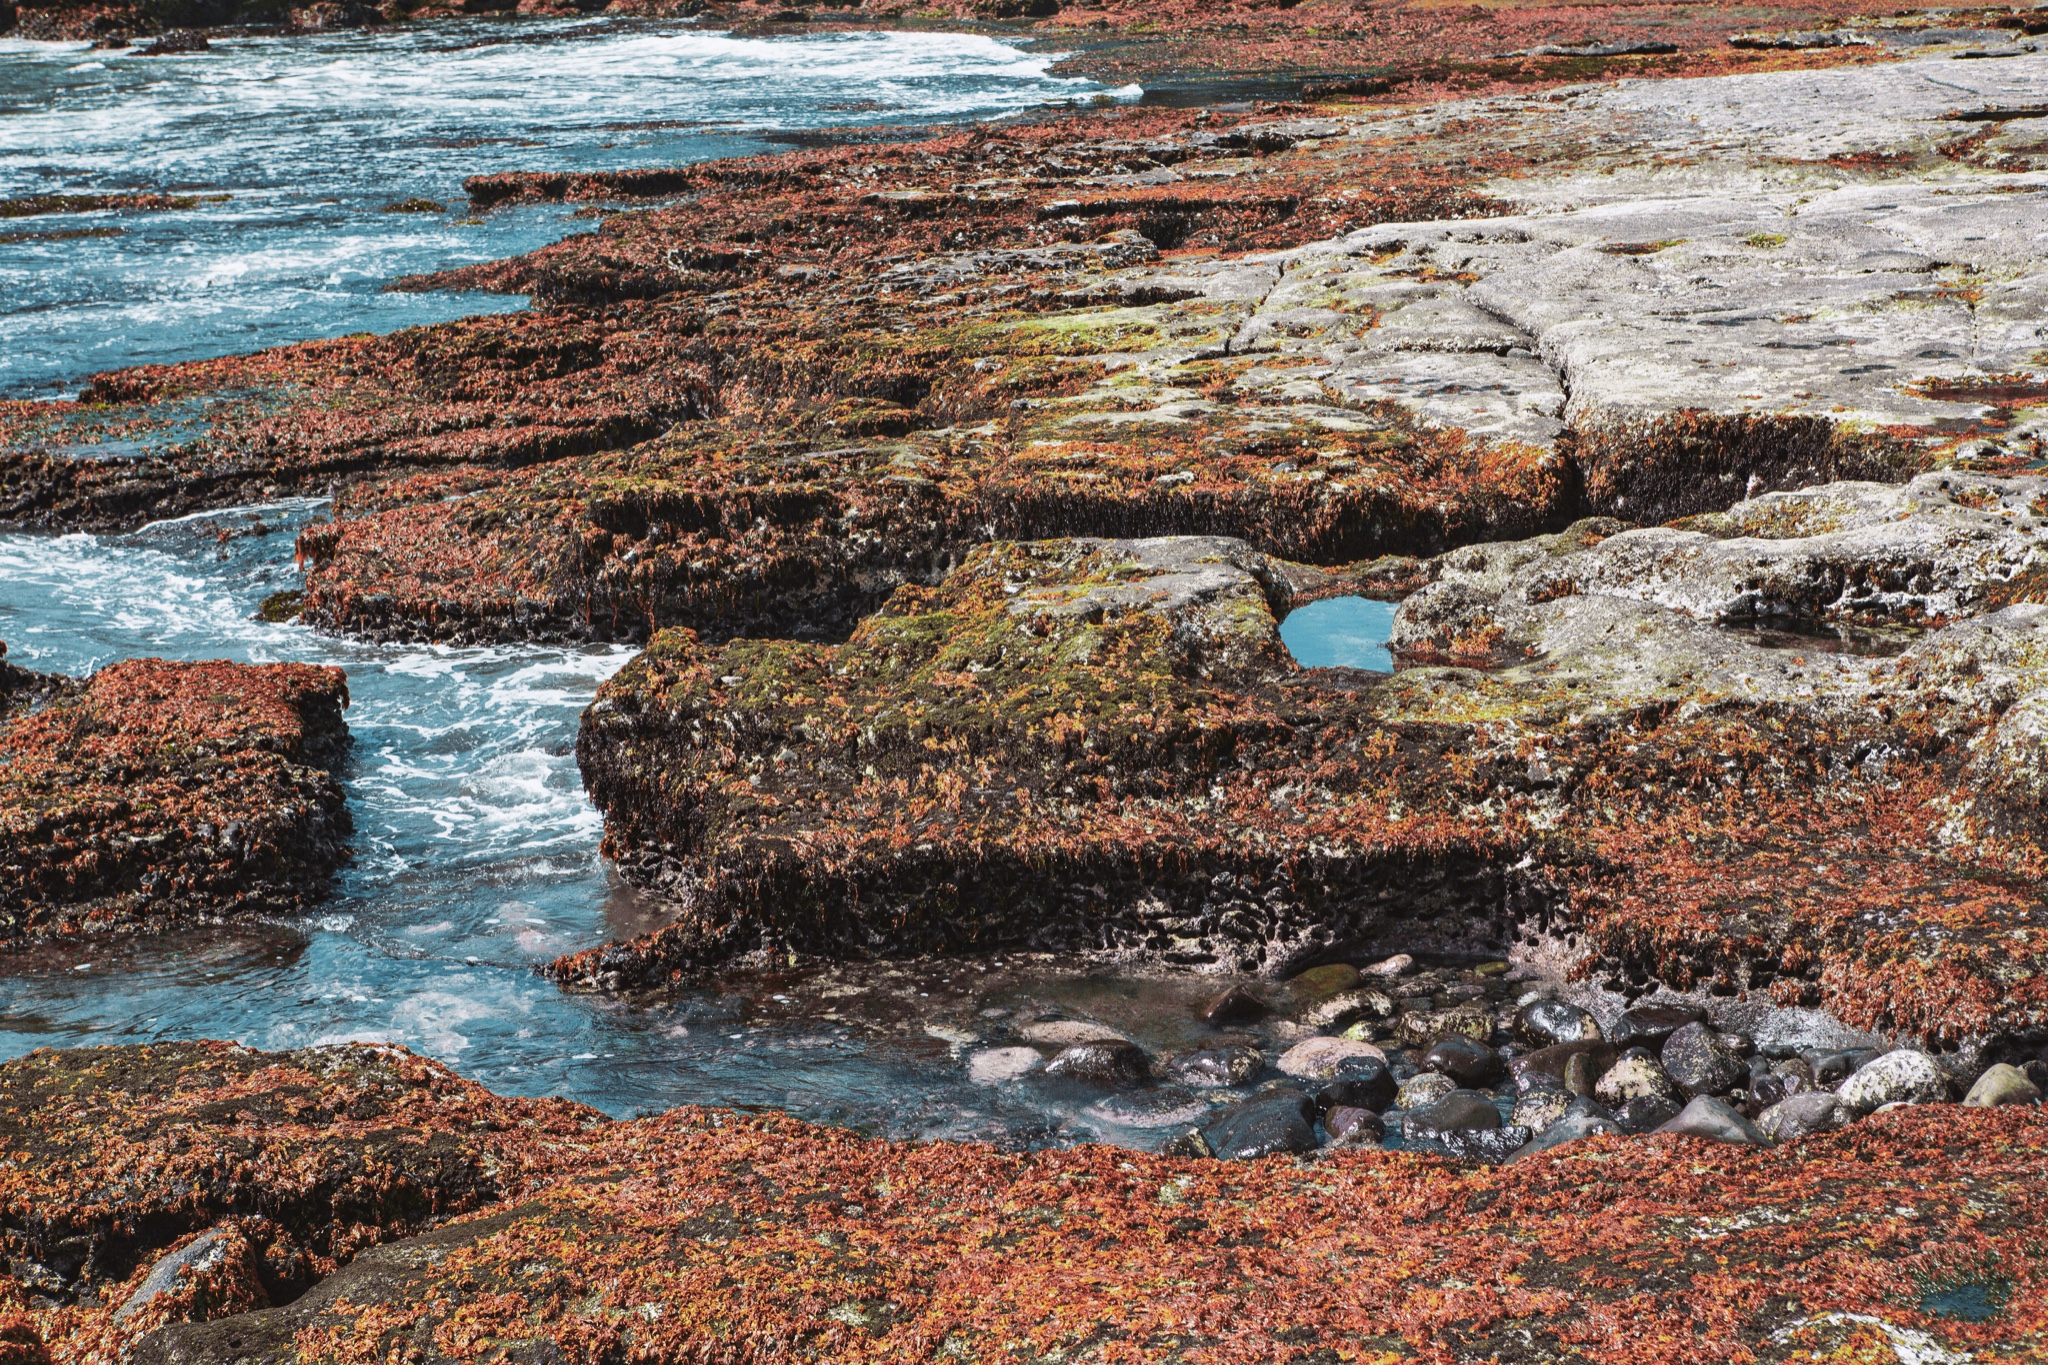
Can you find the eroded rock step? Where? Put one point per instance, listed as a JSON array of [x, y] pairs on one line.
[[1102, 745], [158, 795]]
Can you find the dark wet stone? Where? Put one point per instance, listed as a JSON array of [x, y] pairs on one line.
[[1360, 1083], [1235, 1006], [1650, 1025], [1699, 1063], [1217, 1067], [1552, 1062], [1461, 1110], [1099, 1063], [1191, 1143], [1645, 1113], [1549, 1022], [1570, 1128], [1278, 1121], [1467, 1144], [1354, 1127], [1707, 1117], [1464, 1061], [1830, 1069]]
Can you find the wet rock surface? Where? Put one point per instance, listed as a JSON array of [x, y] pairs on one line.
[[157, 795]]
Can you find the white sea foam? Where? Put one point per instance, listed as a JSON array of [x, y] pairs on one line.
[[302, 248]]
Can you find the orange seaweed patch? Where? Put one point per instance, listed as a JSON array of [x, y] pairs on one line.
[[163, 793]]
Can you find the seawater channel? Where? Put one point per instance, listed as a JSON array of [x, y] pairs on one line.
[[475, 854]]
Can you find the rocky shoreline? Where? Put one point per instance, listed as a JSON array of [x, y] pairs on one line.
[[557, 1234], [1675, 904]]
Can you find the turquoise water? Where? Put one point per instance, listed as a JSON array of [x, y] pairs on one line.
[[1347, 632], [310, 138]]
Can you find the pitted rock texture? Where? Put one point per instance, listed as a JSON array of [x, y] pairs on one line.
[[156, 795], [1031, 753]]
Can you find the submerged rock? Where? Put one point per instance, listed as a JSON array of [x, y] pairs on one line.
[[1217, 1068], [1100, 1063]]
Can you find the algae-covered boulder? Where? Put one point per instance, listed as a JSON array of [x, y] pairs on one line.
[[157, 794], [1077, 744], [1101, 745], [118, 1154]]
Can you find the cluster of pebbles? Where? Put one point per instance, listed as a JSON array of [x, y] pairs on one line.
[[1477, 1064]]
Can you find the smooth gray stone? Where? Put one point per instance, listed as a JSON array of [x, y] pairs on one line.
[[1707, 1117]]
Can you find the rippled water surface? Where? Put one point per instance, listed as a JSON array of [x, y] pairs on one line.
[[311, 138], [476, 860]]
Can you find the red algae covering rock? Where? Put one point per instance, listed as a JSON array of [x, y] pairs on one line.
[[284, 1165], [705, 1236], [157, 794], [1101, 746]]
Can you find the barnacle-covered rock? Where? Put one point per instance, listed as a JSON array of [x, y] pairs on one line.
[[157, 794]]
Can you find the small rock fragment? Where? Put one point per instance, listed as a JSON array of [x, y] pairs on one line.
[[1421, 1091], [1235, 1006], [1104, 1063], [1400, 964], [1810, 1111], [1346, 1007], [1569, 1128], [1548, 1022], [1637, 1075], [1217, 1068], [1551, 1062], [1464, 1061], [1421, 1028], [1067, 1032], [1645, 1114], [1650, 1025], [1278, 1121], [1319, 1059], [1354, 1127], [993, 1066], [1319, 983], [1459, 1110], [1360, 1083]]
